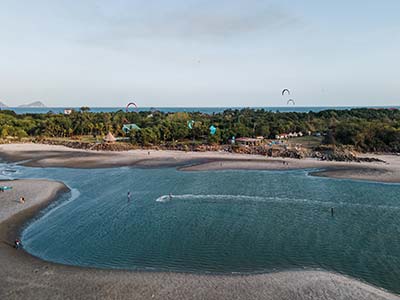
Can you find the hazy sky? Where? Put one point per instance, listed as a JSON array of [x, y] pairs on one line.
[[200, 53]]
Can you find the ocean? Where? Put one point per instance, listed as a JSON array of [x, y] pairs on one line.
[[206, 110]]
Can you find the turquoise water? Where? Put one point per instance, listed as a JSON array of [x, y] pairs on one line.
[[219, 222]]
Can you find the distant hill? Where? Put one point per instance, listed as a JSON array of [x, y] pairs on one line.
[[33, 104], [2, 105]]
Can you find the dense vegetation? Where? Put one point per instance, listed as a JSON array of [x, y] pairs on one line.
[[366, 129]]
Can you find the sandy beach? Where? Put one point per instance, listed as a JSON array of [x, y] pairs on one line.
[[26, 277], [38, 155]]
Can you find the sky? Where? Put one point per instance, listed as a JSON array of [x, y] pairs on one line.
[[200, 53]]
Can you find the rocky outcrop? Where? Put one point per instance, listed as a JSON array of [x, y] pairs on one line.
[[340, 153], [324, 152], [89, 146]]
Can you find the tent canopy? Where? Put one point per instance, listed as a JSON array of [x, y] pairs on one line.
[[109, 138]]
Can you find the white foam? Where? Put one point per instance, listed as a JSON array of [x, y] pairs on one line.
[[167, 198], [9, 171], [75, 193], [164, 198]]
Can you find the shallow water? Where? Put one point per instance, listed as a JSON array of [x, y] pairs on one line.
[[219, 222]]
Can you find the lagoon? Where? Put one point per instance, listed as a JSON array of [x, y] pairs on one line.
[[219, 222]]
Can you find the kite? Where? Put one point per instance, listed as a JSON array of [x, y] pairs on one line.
[[131, 104], [291, 101]]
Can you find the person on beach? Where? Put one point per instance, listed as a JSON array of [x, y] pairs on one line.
[[17, 244], [22, 200]]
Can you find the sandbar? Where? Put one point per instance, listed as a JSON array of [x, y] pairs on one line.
[[40, 155]]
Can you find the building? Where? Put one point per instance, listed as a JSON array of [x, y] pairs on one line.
[[283, 136], [246, 141], [67, 111]]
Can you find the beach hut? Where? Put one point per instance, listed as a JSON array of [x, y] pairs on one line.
[[109, 138], [246, 141]]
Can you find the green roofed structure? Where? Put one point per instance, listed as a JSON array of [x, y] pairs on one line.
[[128, 127]]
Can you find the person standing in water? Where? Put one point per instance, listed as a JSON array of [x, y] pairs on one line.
[[129, 196], [332, 211]]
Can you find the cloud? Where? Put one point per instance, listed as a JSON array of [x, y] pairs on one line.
[[207, 21]]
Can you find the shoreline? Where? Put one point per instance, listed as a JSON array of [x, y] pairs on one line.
[[26, 276], [40, 155], [13, 226]]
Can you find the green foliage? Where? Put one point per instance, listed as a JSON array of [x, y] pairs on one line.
[[365, 129]]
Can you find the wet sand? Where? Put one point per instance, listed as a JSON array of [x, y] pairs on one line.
[[26, 277], [38, 155]]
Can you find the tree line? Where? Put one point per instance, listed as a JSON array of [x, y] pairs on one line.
[[365, 129]]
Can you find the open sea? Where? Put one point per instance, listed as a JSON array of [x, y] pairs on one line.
[[222, 222], [206, 110]]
